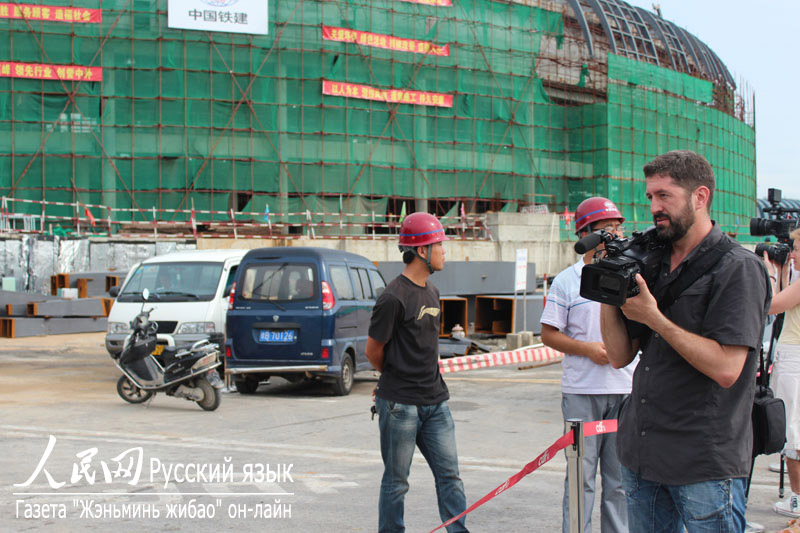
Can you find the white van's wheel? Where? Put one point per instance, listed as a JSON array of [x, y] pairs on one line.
[[344, 382]]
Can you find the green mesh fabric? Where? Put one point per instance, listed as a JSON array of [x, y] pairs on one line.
[[189, 116], [644, 122], [634, 72]]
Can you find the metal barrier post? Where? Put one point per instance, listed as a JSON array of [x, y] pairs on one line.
[[575, 477]]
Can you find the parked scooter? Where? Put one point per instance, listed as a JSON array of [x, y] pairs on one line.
[[184, 372]]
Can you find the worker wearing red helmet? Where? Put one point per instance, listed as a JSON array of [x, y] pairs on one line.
[[421, 230], [591, 389], [593, 210], [411, 396]]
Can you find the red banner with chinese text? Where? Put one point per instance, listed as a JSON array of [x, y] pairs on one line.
[[54, 13], [430, 2], [37, 71], [399, 96], [379, 40]]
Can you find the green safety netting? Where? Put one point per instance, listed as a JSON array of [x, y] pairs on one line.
[[637, 73], [170, 121], [666, 115]]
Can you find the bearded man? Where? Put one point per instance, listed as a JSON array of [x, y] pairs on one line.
[[685, 437]]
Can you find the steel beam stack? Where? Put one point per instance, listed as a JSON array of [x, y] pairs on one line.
[[25, 314]]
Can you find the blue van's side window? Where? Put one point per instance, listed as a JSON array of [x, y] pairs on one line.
[[357, 283], [378, 284], [341, 282], [364, 282]]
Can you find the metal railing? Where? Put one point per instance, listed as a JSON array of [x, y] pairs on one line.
[[85, 220]]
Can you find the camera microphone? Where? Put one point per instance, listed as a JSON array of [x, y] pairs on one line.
[[590, 242]]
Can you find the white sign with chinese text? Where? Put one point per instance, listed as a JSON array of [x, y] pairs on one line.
[[235, 16], [521, 278]]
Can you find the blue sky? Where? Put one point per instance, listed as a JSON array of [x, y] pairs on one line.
[[757, 41]]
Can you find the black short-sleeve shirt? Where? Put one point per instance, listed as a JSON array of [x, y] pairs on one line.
[[406, 318], [679, 426]]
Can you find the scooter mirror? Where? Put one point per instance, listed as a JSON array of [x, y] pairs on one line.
[[145, 294]]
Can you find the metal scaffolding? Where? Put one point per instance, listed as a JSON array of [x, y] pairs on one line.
[[354, 108]]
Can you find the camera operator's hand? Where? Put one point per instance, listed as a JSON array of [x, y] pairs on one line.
[[643, 307], [596, 352], [772, 267], [778, 274]]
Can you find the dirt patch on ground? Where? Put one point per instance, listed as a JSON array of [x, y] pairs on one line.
[[55, 369], [56, 343]]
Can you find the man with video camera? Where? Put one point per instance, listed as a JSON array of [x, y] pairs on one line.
[[685, 437]]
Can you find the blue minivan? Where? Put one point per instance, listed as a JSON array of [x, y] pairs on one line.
[[300, 312]]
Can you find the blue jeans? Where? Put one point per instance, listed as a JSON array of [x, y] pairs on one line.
[[717, 506], [431, 428]]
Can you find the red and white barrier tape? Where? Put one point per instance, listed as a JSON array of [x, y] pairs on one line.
[[390, 219], [535, 354], [233, 220], [589, 428]]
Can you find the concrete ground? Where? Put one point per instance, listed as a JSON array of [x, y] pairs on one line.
[[64, 386]]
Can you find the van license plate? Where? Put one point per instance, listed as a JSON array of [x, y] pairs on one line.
[[277, 335]]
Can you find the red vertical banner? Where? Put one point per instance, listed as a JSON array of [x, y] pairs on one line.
[[88, 214], [194, 224]]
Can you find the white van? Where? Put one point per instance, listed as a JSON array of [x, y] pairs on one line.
[[188, 294]]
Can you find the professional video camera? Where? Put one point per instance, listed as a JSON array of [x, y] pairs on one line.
[[780, 227], [612, 280]]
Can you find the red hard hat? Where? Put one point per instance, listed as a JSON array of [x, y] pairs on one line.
[[420, 229], [594, 209]]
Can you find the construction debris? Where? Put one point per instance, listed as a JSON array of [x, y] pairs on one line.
[[86, 307], [87, 283], [454, 346]]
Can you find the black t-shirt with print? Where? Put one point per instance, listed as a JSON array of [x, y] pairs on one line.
[[406, 318]]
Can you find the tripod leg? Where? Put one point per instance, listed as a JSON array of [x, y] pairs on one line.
[[780, 484]]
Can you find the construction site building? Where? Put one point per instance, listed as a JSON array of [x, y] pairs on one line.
[[355, 111]]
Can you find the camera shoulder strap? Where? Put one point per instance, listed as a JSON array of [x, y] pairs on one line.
[[695, 270]]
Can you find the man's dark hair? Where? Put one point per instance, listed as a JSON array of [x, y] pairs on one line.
[[409, 253], [688, 169]]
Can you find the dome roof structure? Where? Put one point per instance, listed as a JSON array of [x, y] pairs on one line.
[[640, 34]]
